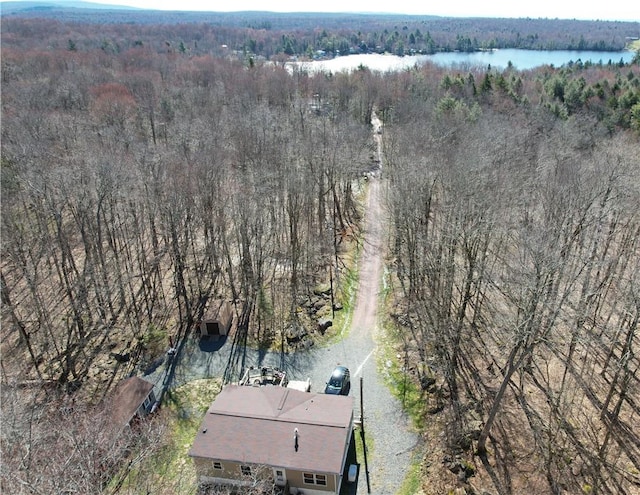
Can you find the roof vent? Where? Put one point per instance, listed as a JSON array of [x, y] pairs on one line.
[[283, 399], [295, 439]]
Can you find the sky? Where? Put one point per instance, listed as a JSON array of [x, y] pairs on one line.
[[618, 10]]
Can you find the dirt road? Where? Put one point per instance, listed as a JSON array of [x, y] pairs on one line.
[[384, 420]]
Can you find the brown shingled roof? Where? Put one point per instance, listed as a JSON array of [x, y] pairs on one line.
[[127, 398], [256, 425]]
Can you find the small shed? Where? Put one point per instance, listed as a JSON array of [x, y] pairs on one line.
[[133, 397], [217, 319]]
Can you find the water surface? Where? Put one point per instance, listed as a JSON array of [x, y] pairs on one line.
[[499, 59]]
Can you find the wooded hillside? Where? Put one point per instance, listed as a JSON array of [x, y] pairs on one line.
[[268, 34], [140, 180]]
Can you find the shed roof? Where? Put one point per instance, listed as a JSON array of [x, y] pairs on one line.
[[218, 309], [127, 398], [256, 425]]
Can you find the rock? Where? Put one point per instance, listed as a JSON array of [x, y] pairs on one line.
[[474, 429], [469, 469], [462, 468], [576, 468], [121, 358], [304, 301], [306, 343], [322, 289], [295, 334], [454, 467], [323, 324], [426, 382]]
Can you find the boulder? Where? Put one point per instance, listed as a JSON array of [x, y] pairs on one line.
[[322, 289], [295, 334], [323, 324], [121, 358]]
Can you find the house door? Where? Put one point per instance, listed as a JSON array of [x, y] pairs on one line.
[[213, 328], [280, 476]]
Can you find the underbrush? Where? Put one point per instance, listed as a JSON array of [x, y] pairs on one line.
[[170, 471], [342, 317], [394, 365]]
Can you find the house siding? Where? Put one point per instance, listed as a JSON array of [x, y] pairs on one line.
[[306, 490], [230, 470], [231, 473], [147, 405], [296, 480]]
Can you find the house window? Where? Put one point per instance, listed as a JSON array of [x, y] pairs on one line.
[[246, 470], [217, 465], [314, 479]]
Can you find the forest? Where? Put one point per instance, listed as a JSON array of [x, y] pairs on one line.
[[269, 34], [146, 169]]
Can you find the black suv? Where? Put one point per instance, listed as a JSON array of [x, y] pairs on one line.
[[340, 382]]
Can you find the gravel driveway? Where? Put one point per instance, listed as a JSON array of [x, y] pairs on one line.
[[384, 420]]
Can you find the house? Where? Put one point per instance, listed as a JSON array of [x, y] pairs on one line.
[[217, 319], [132, 398], [298, 439]]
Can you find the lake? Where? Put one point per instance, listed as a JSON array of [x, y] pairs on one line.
[[499, 59]]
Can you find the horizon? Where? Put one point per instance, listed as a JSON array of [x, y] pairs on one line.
[[543, 9]]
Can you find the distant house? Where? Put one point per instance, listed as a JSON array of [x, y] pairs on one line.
[[298, 439], [217, 319], [132, 398]]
